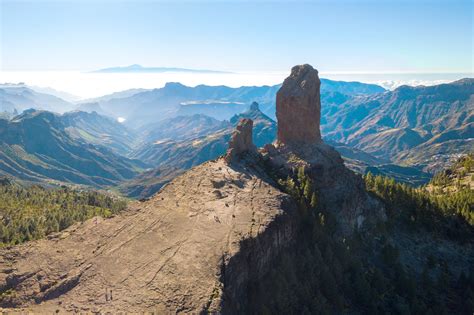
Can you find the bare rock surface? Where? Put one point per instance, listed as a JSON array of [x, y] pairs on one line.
[[171, 254], [298, 107], [241, 140]]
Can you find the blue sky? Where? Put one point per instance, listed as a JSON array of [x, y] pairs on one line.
[[360, 36]]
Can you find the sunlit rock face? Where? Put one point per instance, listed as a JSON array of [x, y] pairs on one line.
[[298, 107], [241, 140]]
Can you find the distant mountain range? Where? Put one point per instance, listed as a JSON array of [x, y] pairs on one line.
[[60, 94], [407, 133], [43, 146], [410, 125], [108, 97], [201, 138], [19, 97], [140, 69], [220, 102]]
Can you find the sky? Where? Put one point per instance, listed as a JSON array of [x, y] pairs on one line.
[[334, 36]]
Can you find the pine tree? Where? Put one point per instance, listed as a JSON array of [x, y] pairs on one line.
[[314, 200]]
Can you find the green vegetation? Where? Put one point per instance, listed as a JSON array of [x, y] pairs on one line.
[[327, 274], [34, 212], [422, 205], [457, 176]]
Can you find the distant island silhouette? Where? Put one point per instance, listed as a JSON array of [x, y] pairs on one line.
[[140, 69]]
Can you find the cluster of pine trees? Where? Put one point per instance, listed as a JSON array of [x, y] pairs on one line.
[[421, 203], [29, 213], [454, 175], [301, 189]]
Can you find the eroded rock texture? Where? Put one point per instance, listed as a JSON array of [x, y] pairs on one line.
[[299, 145], [241, 140], [298, 107]]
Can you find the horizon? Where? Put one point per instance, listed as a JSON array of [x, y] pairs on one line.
[[86, 85], [388, 42]]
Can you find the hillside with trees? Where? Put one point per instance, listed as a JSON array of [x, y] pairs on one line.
[[30, 213], [374, 274]]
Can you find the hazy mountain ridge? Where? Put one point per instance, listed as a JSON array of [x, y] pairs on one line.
[[393, 124], [36, 146], [120, 94], [20, 97], [373, 130], [99, 130], [181, 128], [175, 98]]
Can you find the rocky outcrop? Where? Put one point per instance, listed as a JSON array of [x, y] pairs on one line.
[[340, 190], [241, 140], [298, 107], [299, 145]]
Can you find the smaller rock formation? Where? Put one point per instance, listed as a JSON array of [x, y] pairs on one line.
[[241, 140], [254, 106], [298, 107]]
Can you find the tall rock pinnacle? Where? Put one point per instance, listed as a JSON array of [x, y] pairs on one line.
[[298, 107], [241, 140]]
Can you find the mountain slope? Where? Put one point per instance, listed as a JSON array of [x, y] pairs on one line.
[[99, 130], [404, 123], [109, 269], [36, 146], [21, 97], [181, 128]]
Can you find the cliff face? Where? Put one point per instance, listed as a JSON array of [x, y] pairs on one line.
[[340, 190], [298, 107]]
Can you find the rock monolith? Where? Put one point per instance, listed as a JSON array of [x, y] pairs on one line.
[[298, 107]]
